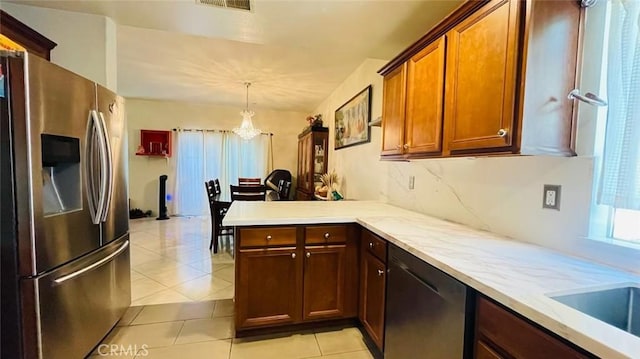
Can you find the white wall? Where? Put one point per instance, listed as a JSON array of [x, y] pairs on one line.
[[86, 43], [166, 115], [498, 194], [362, 176]]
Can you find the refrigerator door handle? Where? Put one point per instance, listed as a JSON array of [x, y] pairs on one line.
[[104, 164], [89, 175], [92, 266], [108, 169]]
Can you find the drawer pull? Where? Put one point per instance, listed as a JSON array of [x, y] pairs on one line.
[[293, 255], [380, 272], [327, 235], [371, 245], [269, 237], [308, 254]]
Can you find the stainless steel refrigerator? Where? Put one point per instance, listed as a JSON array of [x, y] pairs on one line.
[[65, 271]]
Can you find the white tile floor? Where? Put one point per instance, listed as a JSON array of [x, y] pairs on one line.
[[197, 330], [171, 262]]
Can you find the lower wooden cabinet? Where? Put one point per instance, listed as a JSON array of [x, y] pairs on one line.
[[324, 282], [502, 334], [270, 281], [373, 273], [484, 351], [313, 277]]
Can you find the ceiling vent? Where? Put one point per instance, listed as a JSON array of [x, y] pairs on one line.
[[231, 4]]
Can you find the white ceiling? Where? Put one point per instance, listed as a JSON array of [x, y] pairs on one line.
[[295, 53]]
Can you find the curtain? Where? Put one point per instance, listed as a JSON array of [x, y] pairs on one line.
[[244, 158], [205, 155], [190, 174], [620, 181]]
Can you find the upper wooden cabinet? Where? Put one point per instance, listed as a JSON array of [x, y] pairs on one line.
[[30, 39], [481, 78], [412, 105], [507, 67], [425, 86], [393, 106]]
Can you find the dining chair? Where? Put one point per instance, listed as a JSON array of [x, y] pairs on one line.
[[218, 209], [216, 186], [248, 193], [284, 187], [249, 181]]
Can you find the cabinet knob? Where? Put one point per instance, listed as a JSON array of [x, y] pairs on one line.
[[502, 132], [327, 235], [269, 237], [380, 272], [398, 147], [405, 146], [308, 254], [293, 255], [371, 245]]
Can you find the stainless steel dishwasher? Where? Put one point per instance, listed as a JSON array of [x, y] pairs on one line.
[[429, 314]]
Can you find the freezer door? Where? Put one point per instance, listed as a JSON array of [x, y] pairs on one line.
[[50, 157], [116, 218], [80, 302]]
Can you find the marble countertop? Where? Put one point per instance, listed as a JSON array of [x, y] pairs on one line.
[[516, 274]]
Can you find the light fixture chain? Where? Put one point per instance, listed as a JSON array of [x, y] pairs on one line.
[[247, 84]]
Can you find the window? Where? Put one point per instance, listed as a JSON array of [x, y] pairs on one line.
[[616, 212], [204, 155]]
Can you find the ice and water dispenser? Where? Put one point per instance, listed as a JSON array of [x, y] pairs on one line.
[[61, 174]]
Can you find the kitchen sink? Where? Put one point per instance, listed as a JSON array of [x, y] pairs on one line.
[[619, 306]]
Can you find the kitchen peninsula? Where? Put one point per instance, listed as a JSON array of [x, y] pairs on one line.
[[517, 275]]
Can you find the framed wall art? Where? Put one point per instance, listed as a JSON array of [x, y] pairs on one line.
[[352, 120]]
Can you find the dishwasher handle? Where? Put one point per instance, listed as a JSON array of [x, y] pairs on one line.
[[422, 281]]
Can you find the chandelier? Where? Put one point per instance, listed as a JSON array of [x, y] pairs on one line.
[[246, 129]]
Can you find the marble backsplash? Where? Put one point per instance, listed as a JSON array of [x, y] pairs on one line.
[[504, 195], [490, 193]]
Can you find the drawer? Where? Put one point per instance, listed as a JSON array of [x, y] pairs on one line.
[[325, 234], [267, 237], [374, 245], [517, 336]]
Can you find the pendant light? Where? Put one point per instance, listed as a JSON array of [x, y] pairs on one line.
[[246, 129]]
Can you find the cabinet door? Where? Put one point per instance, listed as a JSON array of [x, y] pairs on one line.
[[425, 95], [305, 174], [393, 110], [324, 282], [372, 286], [484, 351], [481, 78], [518, 338], [299, 175], [320, 153], [268, 287]]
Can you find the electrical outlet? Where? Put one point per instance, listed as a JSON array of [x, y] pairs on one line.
[[412, 182], [551, 196]]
